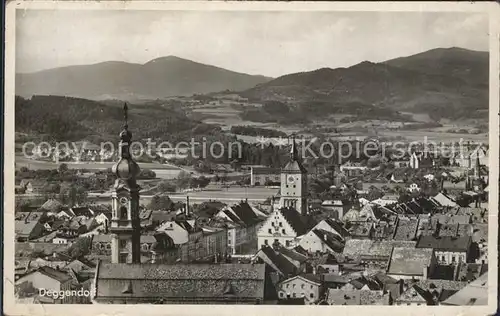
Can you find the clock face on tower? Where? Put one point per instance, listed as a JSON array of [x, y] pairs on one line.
[[123, 200], [291, 179]]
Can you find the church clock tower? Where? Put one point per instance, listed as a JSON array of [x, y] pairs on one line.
[[125, 223], [294, 183]]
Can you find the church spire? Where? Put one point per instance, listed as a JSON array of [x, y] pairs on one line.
[[294, 155], [126, 168], [477, 170]]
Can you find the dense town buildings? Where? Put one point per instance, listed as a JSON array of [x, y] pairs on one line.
[[389, 243]]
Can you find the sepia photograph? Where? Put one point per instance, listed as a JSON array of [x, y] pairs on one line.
[[251, 154]]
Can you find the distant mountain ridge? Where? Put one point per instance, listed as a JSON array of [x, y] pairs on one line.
[[158, 78], [443, 82], [447, 82]]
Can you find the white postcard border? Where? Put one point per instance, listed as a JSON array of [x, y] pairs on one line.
[[11, 308]]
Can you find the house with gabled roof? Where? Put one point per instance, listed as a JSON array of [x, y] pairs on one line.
[[448, 249], [415, 296], [445, 200], [334, 227], [32, 186], [47, 278], [282, 266], [82, 211], [306, 286], [245, 222], [52, 206], [28, 226], [321, 241], [284, 226]]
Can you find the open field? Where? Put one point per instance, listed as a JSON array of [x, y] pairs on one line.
[[229, 195], [163, 171]]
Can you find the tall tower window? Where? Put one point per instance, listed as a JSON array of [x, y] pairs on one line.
[[123, 214]]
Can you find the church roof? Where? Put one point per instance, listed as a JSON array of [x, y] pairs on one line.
[[180, 281], [294, 166]]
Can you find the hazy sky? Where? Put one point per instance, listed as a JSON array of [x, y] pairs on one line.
[[267, 43]]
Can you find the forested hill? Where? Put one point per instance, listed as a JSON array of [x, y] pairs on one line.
[[65, 118], [445, 82]]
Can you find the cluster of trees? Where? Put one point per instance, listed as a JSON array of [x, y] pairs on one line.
[[161, 203], [80, 248], [275, 112], [305, 111], [185, 180], [72, 194]]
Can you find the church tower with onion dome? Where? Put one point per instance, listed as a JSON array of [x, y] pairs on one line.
[[125, 224]]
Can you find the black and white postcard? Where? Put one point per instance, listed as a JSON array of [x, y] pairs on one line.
[[210, 156]]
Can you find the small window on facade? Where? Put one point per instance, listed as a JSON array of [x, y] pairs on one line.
[[294, 294], [311, 286], [287, 243], [282, 294], [266, 242], [453, 259], [269, 231], [311, 295], [280, 224], [287, 286], [293, 286], [283, 231], [302, 286]]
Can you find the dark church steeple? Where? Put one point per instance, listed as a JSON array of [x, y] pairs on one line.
[[294, 154]]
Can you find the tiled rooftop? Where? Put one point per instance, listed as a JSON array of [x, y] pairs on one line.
[[445, 243], [406, 229], [360, 248], [356, 297], [181, 281], [408, 261]]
